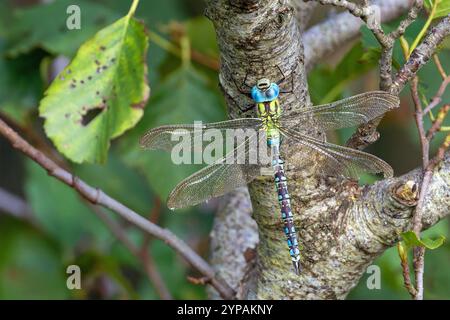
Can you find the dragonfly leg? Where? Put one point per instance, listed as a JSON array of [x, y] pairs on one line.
[[284, 78], [244, 88], [282, 73], [247, 108]]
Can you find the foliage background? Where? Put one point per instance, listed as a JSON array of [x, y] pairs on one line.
[[34, 256]]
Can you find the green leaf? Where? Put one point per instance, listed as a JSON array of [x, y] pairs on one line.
[[183, 97], [20, 83], [411, 240], [30, 264], [45, 26], [442, 9], [202, 36], [328, 84], [101, 94]]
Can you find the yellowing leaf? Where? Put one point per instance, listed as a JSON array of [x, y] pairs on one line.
[[101, 93]]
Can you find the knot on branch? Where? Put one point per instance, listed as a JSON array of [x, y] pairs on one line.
[[400, 198], [406, 193]]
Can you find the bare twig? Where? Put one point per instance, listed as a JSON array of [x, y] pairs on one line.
[[419, 122], [15, 206], [198, 281], [405, 267], [438, 96], [418, 252], [412, 15], [323, 38], [427, 167], [149, 263], [421, 54], [371, 17], [366, 133], [437, 61], [437, 124], [145, 259], [155, 276], [98, 197]]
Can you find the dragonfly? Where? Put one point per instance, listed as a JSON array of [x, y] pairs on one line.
[[223, 175]]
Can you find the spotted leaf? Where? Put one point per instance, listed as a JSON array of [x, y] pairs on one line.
[[100, 94]]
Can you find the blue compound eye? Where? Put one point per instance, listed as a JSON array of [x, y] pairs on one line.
[[270, 93], [257, 95], [276, 90]]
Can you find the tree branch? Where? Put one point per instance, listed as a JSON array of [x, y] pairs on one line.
[[420, 56], [15, 206], [98, 197], [367, 133], [304, 11], [325, 37]]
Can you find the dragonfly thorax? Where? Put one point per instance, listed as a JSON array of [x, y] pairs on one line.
[[269, 112]]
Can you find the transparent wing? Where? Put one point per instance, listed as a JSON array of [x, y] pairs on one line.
[[339, 160], [166, 137], [347, 112], [219, 178]]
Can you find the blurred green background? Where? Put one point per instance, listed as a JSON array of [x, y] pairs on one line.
[[56, 228]]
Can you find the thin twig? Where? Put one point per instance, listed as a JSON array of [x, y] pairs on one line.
[[419, 252], [419, 122], [411, 17], [421, 54], [149, 263], [437, 124], [98, 197], [15, 206], [146, 261], [366, 133], [406, 273], [441, 70], [438, 96], [327, 36]]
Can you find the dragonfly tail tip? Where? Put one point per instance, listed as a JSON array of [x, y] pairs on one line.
[[297, 267]]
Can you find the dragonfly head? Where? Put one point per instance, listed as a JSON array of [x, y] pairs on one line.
[[264, 90]]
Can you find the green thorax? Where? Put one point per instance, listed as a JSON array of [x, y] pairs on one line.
[[270, 112]]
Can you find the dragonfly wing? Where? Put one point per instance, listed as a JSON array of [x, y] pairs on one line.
[[166, 137], [347, 112], [338, 159], [219, 178]]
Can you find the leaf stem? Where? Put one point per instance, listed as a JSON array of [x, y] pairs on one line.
[[133, 8], [185, 51], [405, 46], [164, 44], [424, 28]]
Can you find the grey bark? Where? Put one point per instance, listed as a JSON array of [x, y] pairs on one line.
[[342, 227]]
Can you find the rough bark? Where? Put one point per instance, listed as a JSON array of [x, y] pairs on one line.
[[342, 227]]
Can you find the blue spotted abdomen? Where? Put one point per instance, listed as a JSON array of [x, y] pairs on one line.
[[285, 203]]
